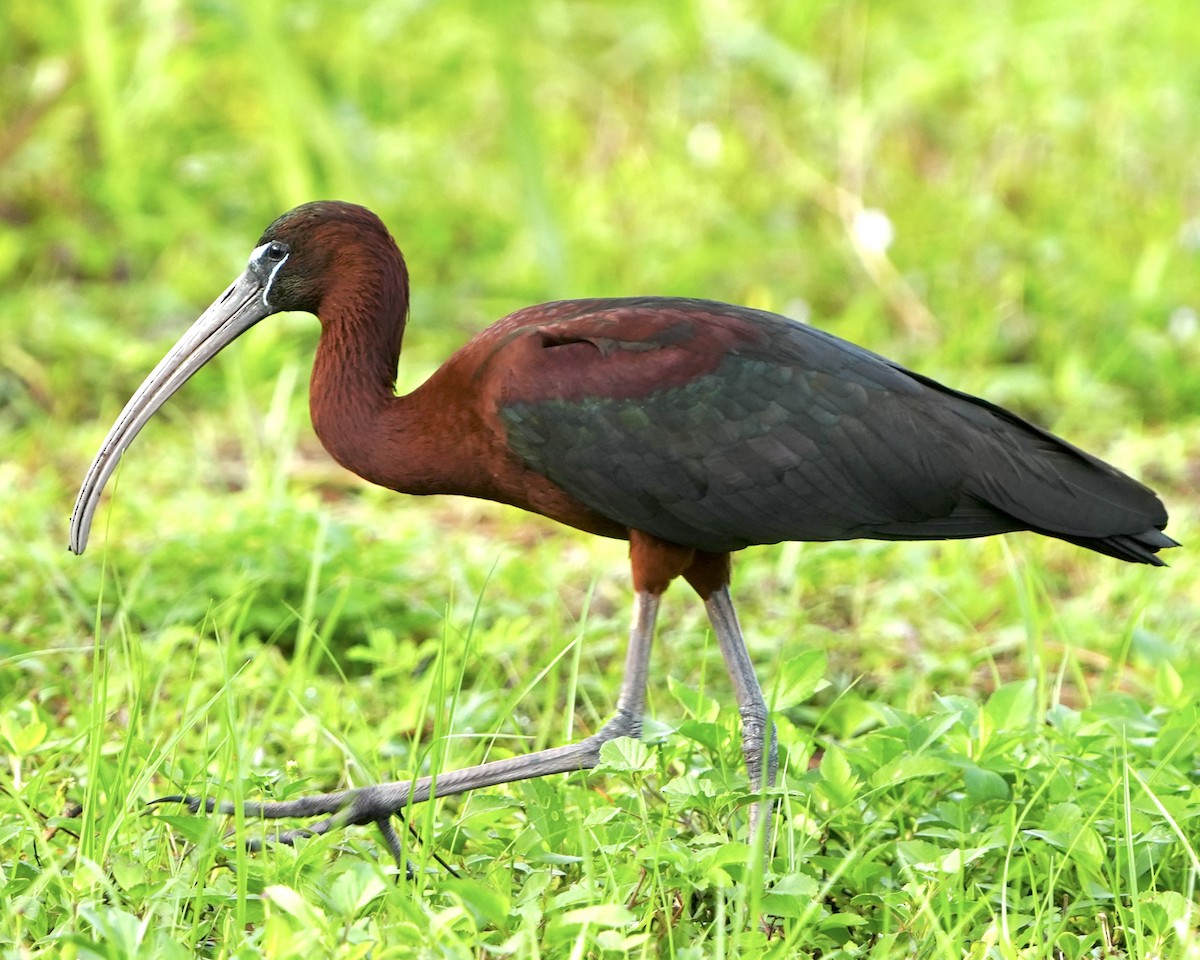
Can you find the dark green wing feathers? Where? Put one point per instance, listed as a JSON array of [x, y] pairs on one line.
[[718, 427]]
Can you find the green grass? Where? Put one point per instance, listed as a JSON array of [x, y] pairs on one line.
[[990, 748]]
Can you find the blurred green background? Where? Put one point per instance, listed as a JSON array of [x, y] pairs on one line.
[[1002, 195]]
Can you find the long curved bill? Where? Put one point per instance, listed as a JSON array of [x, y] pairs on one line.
[[232, 314]]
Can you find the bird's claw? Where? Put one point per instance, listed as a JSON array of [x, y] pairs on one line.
[[365, 807]]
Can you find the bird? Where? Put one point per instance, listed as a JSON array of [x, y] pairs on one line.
[[690, 428]]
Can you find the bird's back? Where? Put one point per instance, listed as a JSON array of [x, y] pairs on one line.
[[718, 427]]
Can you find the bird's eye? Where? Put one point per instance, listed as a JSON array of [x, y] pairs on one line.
[[276, 251]]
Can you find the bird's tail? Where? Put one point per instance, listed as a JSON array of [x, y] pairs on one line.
[[1135, 548], [1051, 486]]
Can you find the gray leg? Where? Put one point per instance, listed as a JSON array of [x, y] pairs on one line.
[[758, 733], [376, 804]]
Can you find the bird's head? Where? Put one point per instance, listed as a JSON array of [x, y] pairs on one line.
[[307, 251], [297, 262]]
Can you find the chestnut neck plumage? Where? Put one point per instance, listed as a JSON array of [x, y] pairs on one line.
[[352, 400]]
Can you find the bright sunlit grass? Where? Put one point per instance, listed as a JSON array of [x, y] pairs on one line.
[[989, 749]]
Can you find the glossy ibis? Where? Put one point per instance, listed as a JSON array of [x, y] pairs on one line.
[[689, 427]]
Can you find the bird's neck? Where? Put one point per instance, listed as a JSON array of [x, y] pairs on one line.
[[353, 378]]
